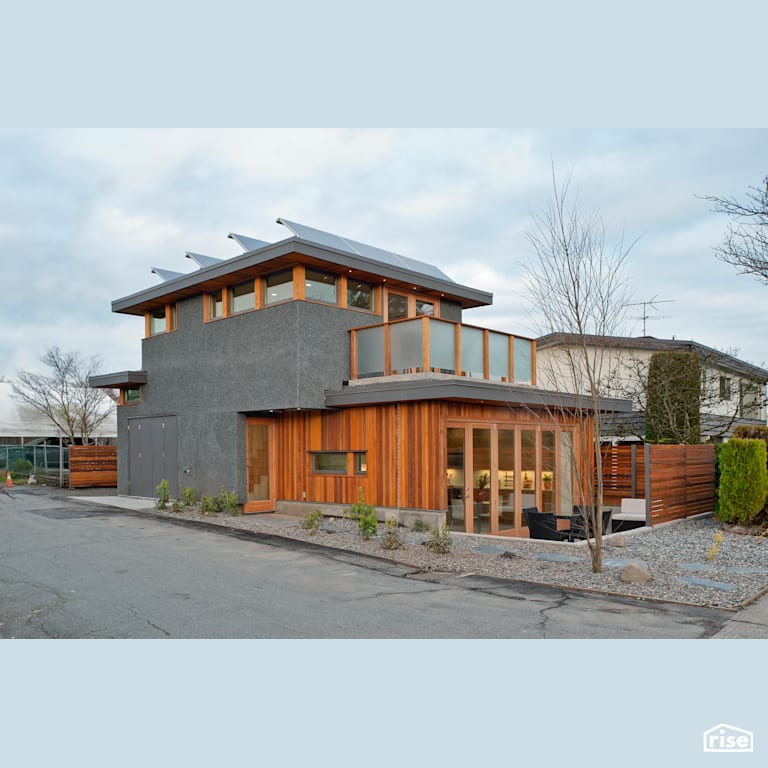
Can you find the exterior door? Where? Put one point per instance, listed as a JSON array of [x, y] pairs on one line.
[[152, 455], [260, 462]]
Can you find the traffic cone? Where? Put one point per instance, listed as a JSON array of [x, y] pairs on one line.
[[8, 481]]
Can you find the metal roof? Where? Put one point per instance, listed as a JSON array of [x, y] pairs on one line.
[[248, 243], [361, 249], [201, 260], [324, 251]]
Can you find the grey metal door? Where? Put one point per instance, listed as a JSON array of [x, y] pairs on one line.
[[152, 455]]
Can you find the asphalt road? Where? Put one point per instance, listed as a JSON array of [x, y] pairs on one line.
[[70, 570]]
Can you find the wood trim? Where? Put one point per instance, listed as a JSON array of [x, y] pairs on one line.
[[267, 505], [425, 343], [299, 278], [353, 354], [341, 296], [258, 293], [226, 302], [147, 324]]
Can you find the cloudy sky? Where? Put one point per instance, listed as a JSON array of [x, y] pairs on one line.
[[87, 213]]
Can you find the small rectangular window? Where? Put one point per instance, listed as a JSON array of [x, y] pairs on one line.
[[216, 305], [360, 295], [424, 308], [320, 286], [330, 462], [361, 463], [725, 388], [397, 306], [278, 287], [131, 395], [157, 322], [241, 297]]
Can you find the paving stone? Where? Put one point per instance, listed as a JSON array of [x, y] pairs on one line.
[[488, 550], [620, 562], [696, 582], [696, 566], [554, 557], [745, 569]]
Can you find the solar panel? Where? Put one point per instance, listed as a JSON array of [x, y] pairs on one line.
[[362, 249], [201, 260], [166, 274], [248, 243]]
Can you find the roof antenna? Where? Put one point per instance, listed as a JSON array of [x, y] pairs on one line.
[[650, 303]]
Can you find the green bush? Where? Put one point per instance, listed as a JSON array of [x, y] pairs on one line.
[[440, 541], [229, 501], [22, 467], [312, 522], [210, 505], [743, 480], [163, 495], [188, 496], [420, 526], [392, 538], [366, 523], [360, 507]]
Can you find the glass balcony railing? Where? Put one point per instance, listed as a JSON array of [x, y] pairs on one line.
[[428, 344]]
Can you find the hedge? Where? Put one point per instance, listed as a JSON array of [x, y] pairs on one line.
[[743, 480]]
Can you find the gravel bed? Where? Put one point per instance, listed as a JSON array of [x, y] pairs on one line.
[[670, 553]]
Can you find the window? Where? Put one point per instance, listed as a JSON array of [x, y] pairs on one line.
[[241, 297], [216, 305], [725, 388], [397, 306], [360, 295], [278, 287], [337, 462], [131, 395], [320, 286], [425, 308], [330, 462], [161, 320]]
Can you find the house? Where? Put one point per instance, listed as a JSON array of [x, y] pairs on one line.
[[732, 391], [303, 372]]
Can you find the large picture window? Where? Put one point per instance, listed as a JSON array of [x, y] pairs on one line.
[[320, 286], [278, 287]]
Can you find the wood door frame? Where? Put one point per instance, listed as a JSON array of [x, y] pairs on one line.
[[266, 505]]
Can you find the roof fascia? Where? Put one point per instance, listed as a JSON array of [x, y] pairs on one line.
[[471, 297]]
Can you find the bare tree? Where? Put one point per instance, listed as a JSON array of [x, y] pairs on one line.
[[746, 241], [63, 395], [577, 285]]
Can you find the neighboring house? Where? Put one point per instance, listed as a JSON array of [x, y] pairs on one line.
[[733, 392], [303, 372]]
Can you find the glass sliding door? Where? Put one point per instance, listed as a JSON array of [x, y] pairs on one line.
[[456, 519], [481, 480], [505, 494]]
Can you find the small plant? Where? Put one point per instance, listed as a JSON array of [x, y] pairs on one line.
[[229, 501], [712, 551], [420, 526], [360, 507], [311, 522], [440, 542], [163, 495], [392, 539], [210, 505], [366, 523], [188, 496]]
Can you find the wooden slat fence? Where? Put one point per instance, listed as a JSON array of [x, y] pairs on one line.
[[681, 478], [92, 466]]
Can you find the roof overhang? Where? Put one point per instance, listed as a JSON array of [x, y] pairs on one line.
[[118, 380], [285, 254], [437, 387]]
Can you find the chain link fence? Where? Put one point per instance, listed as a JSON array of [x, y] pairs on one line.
[[48, 463]]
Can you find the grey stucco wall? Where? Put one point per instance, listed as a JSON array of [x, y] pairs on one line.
[[211, 374]]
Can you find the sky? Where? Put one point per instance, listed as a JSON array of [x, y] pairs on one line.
[[86, 213]]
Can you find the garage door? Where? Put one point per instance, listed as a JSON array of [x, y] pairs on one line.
[[152, 455]]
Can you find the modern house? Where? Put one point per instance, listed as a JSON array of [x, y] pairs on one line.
[[733, 392], [301, 371]]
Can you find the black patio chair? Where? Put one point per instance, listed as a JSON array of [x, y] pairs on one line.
[[543, 525], [578, 527]]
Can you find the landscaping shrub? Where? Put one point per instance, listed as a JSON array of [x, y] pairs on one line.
[[419, 526], [312, 522], [392, 538], [163, 495], [440, 541], [743, 480], [188, 496], [366, 523], [210, 505], [229, 501], [360, 507]]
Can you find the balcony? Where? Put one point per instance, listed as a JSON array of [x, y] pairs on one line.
[[428, 344]]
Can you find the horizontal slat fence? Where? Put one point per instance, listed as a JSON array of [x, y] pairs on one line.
[[681, 478], [92, 466]]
